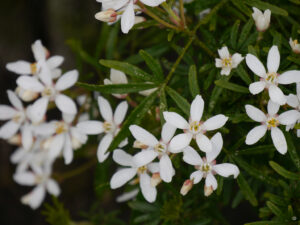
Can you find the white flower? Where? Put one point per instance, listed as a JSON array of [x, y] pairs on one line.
[[43, 183], [110, 126], [126, 196], [195, 128], [155, 149], [51, 91], [226, 61], [66, 137], [117, 77], [295, 45], [262, 20], [124, 175], [270, 121], [271, 79], [294, 101], [207, 167]]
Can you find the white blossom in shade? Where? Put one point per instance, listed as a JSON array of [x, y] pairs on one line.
[[195, 128], [43, 183], [294, 101], [270, 80], [262, 20], [270, 121], [295, 45], [50, 91], [41, 54], [66, 139], [155, 148], [126, 196], [110, 126], [117, 77], [206, 167], [226, 61], [124, 175]]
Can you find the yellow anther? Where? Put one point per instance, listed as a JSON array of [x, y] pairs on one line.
[[60, 127], [142, 169], [33, 68], [271, 77], [227, 62], [195, 126], [205, 168], [272, 123], [107, 126]]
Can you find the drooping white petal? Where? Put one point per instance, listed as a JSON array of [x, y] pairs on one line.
[[9, 129], [30, 83], [289, 77], [120, 112], [215, 122], [7, 112], [255, 113], [56, 146], [55, 61], [19, 67], [45, 74], [144, 157], [257, 87], [126, 196], [67, 80], [149, 192], [217, 145], [122, 158], [197, 107], [218, 63], [279, 140], [103, 146], [143, 135], [105, 109], [272, 108], [65, 104], [293, 101], [255, 65], [166, 169], [224, 53], [276, 95], [179, 142], [25, 178], [67, 150], [121, 177], [225, 71], [14, 100], [127, 20], [52, 187], [273, 59], [226, 170], [211, 181], [203, 143], [90, 127], [176, 120], [255, 134], [289, 117], [196, 176], [236, 59], [167, 132], [38, 50], [35, 198], [191, 156], [37, 110]]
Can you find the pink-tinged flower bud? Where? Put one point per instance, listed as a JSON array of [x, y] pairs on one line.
[[295, 45], [186, 187], [155, 179], [138, 144], [262, 20], [108, 16], [208, 190]]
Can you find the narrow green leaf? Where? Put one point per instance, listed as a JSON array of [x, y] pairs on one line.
[[245, 33], [111, 43], [263, 149], [246, 190], [242, 7], [153, 64], [265, 5], [268, 223], [234, 32], [193, 81], [145, 24], [214, 98], [278, 200], [128, 69], [231, 86], [142, 206], [209, 79], [163, 105], [275, 210], [180, 101], [295, 1], [135, 117], [277, 39], [243, 74], [118, 88], [283, 172], [292, 150], [294, 59]]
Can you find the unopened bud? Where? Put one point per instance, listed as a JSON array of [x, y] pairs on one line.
[[15, 140], [155, 179], [186, 187], [262, 20], [26, 95], [208, 190], [295, 45], [138, 144], [108, 16]]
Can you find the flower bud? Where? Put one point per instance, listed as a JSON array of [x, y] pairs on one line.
[[15, 140], [208, 190], [262, 20], [26, 95], [186, 187], [295, 45], [108, 16], [155, 179]]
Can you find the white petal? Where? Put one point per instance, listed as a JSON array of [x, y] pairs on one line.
[[176, 120], [215, 122], [211, 181], [289, 77], [279, 140], [152, 3], [203, 143], [37, 110], [9, 129], [90, 127], [218, 63], [65, 104], [120, 112], [257, 87], [127, 20], [121, 177], [273, 59], [255, 134], [126, 196], [236, 59], [148, 191], [68, 118], [122, 158], [276, 95], [179, 142], [38, 50], [14, 100], [225, 71], [224, 53], [191, 156], [56, 146], [7, 112], [45, 73], [293, 101], [27, 138], [55, 61], [144, 157], [30, 83], [272, 108], [217, 145], [25, 178], [196, 176], [226, 170], [103, 146], [143, 135], [35, 198], [197, 107], [255, 113], [166, 169], [167, 132], [45, 129], [52, 187], [255, 65], [20, 67], [67, 80], [105, 109], [68, 151], [118, 77], [289, 117], [153, 167]]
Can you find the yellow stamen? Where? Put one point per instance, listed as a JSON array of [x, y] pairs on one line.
[[227, 62], [272, 123], [33, 68], [271, 77], [60, 127]]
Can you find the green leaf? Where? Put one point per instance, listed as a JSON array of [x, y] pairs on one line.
[[265, 5], [135, 117], [263, 149], [278, 200], [128, 69], [231, 86], [193, 81], [245, 32], [246, 190], [142, 206], [275, 210], [163, 105], [242, 7], [209, 79], [234, 32], [153, 64], [283, 172], [292, 150], [243, 74], [111, 43], [214, 98], [117, 88], [180, 101], [268, 223], [294, 60]]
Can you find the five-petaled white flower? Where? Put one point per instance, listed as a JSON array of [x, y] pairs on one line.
[[295, 45], [124, 175], [226, 61], [195, 128], [262, 20], [155, 148], [270, 121], [271, 79], [117, 77], [206, 167], [110, 126], [294, 101]]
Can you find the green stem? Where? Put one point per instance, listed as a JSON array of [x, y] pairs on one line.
[[203, 46], [171, 13], [182, 13]]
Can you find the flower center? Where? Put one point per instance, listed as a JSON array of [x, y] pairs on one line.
[[295, 42], [18, 118], [160, 148], [227, 62], [195, 127], [48, 92], [206, 167], [33, 68], [142, 169], [272, 122], [271, 77], [108, 127], [61, 127]]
